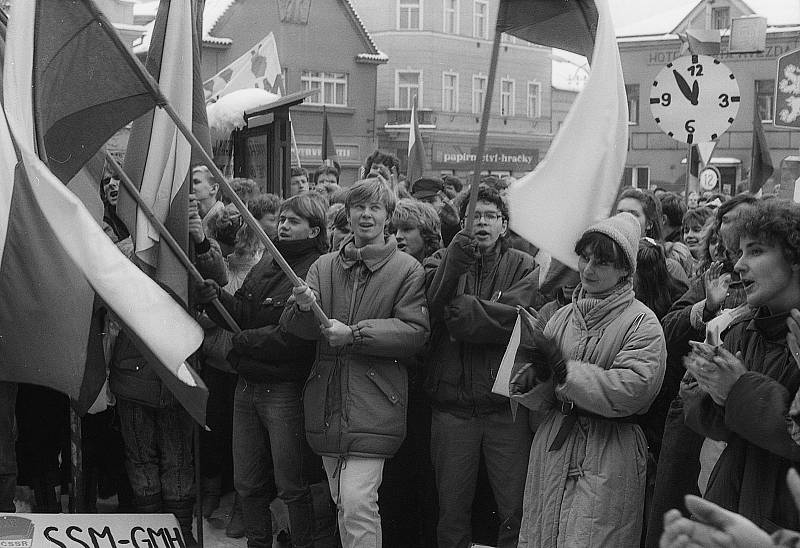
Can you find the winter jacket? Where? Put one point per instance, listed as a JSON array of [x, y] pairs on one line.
[[263, 351], [590, 490], [473, 304], [132, 378], [750, 475], [355, 397]]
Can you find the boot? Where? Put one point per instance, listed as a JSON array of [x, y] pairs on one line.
[[183, 511], [235, 527], [211, 494], [150, 504]]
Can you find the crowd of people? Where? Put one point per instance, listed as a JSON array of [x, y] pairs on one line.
[[655, 397]]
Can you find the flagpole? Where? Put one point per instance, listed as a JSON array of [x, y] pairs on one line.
[[161, 101], [245, 213], [487, 108], [753, 138], [688, 175], [169, 239]]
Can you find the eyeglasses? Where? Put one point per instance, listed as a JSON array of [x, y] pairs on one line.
[[488, 215]]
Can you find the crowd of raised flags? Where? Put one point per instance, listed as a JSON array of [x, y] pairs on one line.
[[653, 349]]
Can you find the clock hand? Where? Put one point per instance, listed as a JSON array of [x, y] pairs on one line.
[[695, 93], [683, 86]]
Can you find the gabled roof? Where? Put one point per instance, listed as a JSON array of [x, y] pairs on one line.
[[677, 15], [216, 9]]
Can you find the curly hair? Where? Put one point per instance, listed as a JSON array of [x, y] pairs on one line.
[[410, 214], [774, 222], [652, 211], [386, 158]]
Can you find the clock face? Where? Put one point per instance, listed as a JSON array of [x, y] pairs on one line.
[[695, 99], [708, 178]]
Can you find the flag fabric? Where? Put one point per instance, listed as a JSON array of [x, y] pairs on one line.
[[761, 167], [416, 151], [159, 157], [83, 88], [56, 263], [568, 25], [259, 67], [576, 183], [328, 148]]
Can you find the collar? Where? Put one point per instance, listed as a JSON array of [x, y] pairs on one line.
[[373, 256], [771, 326], [296, 249]]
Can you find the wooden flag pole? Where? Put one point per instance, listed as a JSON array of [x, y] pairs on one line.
[[487, 109], [161, 101], [169, 239], [245, 213]]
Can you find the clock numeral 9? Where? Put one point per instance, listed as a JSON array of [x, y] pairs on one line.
[[689, 126], [666, 99], [696, 70], [724, 100]]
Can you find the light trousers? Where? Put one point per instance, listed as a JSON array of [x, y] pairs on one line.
[[354, 486]]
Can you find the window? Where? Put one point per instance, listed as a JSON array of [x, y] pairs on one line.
[[332, 86], [408, 15], [506, 97], [637, 177], [480, 19], [534, 99], [765, 98], [450, 16], [478, 93], [450, 92], [632, 91], [720, 18], [408, 87]]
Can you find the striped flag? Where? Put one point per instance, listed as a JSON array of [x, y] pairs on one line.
[[576, 183], [159, 158], [416, 151], [55, 260], [761, 167], [328, 148]]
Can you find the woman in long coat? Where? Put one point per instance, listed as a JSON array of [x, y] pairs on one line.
[[598, 365]]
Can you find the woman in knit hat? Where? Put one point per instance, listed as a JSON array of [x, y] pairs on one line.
[[597, 366]]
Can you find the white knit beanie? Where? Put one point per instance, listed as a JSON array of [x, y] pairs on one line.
[[625, 230]]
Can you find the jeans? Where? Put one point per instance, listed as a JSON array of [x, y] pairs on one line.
[[158, 451], [456, 447], [354, 484], [270, 456], [215, 445], [8, 440]]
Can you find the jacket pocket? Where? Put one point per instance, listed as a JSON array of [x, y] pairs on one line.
[[384, 385], [377, 398], [132, 379]]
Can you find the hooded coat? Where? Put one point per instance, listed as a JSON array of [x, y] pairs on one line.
[[590, 491], [356, 395]]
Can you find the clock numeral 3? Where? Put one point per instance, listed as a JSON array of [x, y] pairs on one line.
[[696, 70], [724, 100], [689, 126]]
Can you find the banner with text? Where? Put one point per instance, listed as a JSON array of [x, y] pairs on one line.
[[497, 158]]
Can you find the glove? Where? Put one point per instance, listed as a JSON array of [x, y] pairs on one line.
[[207, 291], [535, 372], [304, 297], [463, 250], [552, 356]]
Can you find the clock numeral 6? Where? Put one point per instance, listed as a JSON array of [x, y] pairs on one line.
[[666, 99], [689, 126], [724, 100]]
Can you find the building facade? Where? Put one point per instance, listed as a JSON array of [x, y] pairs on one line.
[[321, 45], [439, 52], [654, 159]]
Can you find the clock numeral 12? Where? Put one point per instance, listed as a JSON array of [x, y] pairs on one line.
[[696, 70]]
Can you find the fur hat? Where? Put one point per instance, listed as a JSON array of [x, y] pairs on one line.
[[625, 230]]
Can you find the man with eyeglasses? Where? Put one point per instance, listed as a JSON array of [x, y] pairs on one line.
[[475, 285]]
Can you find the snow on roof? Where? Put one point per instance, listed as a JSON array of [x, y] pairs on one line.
[[655, 17], [213, 12]]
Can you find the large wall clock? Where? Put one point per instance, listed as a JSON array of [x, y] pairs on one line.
[[695, 99]]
